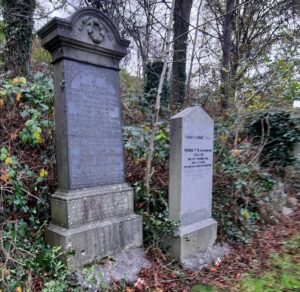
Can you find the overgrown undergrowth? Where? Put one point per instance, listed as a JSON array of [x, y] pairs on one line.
[[242, 188], [282, 272]]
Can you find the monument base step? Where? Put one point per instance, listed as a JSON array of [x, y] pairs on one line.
[[194, 238], [74, 208], [91, 242], [203, 259]]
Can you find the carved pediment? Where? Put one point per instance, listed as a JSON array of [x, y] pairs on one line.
[[93, 28], [86, 27]]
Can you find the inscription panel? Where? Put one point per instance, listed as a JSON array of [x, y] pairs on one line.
[[197, 170], [94, 125]]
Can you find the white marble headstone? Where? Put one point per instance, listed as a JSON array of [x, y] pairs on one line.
[[296, 103], [191, 175], [192, 184]]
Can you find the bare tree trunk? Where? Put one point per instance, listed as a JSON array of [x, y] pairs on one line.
[[166, 56], [182, 12], [226, 48], [188, 85], [18, 27]]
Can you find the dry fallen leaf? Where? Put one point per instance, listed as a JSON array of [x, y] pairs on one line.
[[18, 96], [1, 102]]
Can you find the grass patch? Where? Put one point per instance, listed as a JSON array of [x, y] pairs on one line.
[[202, 288], [284, 274]]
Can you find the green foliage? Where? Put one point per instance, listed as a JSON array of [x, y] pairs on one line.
[[281, 88], [202, 288], [137, 140], [131, 86], [32, 130], [153, 72], [276, 133], [40, 55], [36, 101], [26, 185], [32, 259], [237, 204], [17, 198], [250, 161], [59, 285], [157, 227], [240, 188], [136, 108], [18, 26], [283, 276], [286, 87], [1, 43], [1, 33], [139, 100], [158, 230], [153, 207], [95, 280], [244, 190]]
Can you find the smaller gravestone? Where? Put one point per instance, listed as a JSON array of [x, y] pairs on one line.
[[190, 187], [296, 104]]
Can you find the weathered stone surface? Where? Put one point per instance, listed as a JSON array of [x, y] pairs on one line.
[[202, 259], [193, 238], [95, 240], [78, 207], [191, 166], [296, 104], [190, 187], [87, 98], [88, 36], [95, 147], [123, 266], [92, 209], [286, 211]]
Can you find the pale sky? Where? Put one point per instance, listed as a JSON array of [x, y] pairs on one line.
[[50, 8]]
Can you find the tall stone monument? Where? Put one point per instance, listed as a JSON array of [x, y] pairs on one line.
[[190, 186], [92, 210]]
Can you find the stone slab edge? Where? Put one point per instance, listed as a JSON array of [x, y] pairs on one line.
[[73, 208], [71, 213], [104, 238], [194, 238], [90, 192]]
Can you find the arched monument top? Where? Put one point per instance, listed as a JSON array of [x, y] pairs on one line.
[[88, 29]]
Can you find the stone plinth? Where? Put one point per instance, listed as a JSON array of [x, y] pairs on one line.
[[92, 210], [190, 186]]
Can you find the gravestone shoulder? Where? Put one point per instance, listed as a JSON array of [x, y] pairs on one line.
[[88, 36], [194, 113]]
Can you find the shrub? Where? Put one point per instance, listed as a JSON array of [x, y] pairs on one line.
[[153, 72], [26, 176], [154, 206], [275, 133], [241, 188]]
